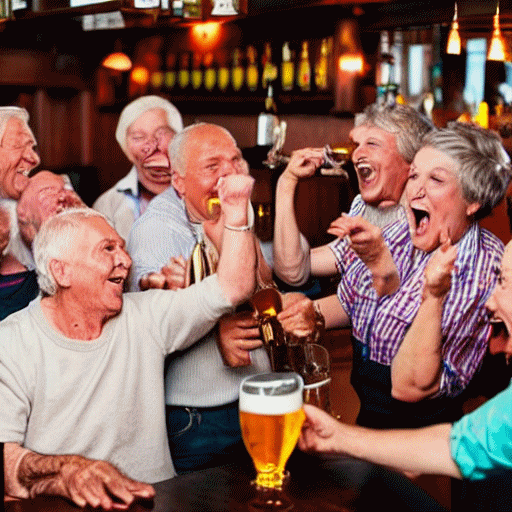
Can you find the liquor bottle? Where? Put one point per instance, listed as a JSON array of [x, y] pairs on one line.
[[192, 9], [210, 73], [252, 75], [184, 71], [196, 76], [170, 71], [287, 68], [269, 73], [304, 69], [237, 71], [223, 72], [267, 120], [322, 67]]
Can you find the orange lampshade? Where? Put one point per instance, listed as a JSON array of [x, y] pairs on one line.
[[497, 46], [117, 61], [454, 44]]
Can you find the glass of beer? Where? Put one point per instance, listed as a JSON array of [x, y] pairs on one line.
[[271, 419], [311, 362]]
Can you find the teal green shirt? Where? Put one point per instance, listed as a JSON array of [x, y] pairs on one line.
[[481, 442]]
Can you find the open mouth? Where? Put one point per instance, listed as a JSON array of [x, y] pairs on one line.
[[158, 161], [365, 171], [499, 336], [422, 219]]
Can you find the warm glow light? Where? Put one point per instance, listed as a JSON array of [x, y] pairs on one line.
[[453, 46], [140, 75], [497, 46], [351, 63], [206, 35], [117, 61]]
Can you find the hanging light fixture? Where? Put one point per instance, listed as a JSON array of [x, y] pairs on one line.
[[453, 46], [497, 46], [117, 61]]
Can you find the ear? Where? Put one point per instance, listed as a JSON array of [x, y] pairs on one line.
[[178, 182], [472, 209], [61, 272]]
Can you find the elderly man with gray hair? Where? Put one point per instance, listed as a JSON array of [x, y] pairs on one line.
[[81, 388], [145, 128], [18, 157], [386, 140]]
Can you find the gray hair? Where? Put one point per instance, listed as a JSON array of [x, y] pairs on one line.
[[7, 113], [140, 106], [407, 124], [55, 241], [178, 145], [483, 164]]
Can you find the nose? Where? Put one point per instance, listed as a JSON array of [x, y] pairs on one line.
[[123, 258], [416, 188], [491, 303], [150, 145], [31, 155]]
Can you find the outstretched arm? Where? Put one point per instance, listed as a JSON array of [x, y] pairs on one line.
[[424, 450], [417, 366], [84, 481], [291, 250]]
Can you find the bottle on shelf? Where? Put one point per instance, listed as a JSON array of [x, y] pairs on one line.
[[387, 90], [322, 67], [269, 72], [237, 71], [267, 120], [210, 72], [184, 71], [196, 76], [252, 74], [287, 68], [170, 71], [223, 72], [304, 69]]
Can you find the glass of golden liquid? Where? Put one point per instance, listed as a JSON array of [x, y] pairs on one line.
[[271, 419]]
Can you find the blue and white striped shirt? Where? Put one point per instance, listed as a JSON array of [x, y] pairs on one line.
[[381, 323]]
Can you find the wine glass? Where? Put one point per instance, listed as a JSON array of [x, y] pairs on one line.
[[271, 419]]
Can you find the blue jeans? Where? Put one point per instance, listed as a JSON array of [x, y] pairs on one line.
[[203, 437]]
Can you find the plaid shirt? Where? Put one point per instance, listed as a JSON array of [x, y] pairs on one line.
[[381, 323]]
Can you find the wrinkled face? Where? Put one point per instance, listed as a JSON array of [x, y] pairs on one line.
[[45, 195], [381, 170], [147, 140], [98, 268], [17, 158], [211, 154], [435, 206], [500, 307]]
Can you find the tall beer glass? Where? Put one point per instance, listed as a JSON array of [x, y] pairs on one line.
[[271, 419]]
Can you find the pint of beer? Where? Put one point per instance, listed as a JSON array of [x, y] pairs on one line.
[[271, 419]]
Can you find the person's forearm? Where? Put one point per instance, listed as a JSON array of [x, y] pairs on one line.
[[425, 450], [332, 310], [291, 250], [416, 368], [236, 270]]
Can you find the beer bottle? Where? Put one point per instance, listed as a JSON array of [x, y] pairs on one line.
[[287, 68], [237, 71], [252, 76], [304, 69]]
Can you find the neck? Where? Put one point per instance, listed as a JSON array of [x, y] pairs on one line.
[[69, 318], [10, 265]]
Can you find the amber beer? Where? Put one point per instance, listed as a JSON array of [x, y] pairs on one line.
[[271, 419], [213, 207]]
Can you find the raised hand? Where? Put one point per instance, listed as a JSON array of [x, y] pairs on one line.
[[303, 163], [170, 277], [438, 271]]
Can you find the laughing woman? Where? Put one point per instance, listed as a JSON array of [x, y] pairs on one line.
[[415, 350]]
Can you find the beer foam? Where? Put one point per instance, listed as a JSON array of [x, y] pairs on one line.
[[271, 394]]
